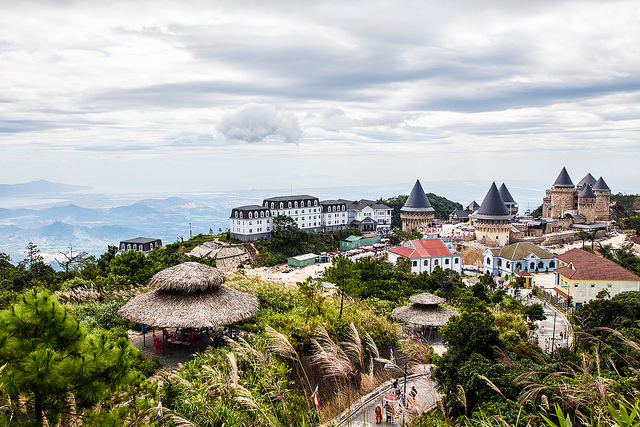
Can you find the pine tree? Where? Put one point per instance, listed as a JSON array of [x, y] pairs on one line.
[[52, 363]]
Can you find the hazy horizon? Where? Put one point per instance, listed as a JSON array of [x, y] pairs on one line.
[[164, 97]]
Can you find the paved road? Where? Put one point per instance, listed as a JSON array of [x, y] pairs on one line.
[[546, 327], [363, 411]]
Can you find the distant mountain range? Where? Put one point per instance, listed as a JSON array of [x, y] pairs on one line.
[[38, 187]]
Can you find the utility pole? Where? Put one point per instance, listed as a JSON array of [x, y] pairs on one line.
[[553, 338]]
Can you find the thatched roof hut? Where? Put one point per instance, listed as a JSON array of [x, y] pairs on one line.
[[190, 295], [425, 311]]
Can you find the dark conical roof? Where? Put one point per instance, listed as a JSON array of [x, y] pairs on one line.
[[587, 192], [473, 206], [563, 180], [600, 185], [506, 196], [589, 180], [493, 206], [417, 200]]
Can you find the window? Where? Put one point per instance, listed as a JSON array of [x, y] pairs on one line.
[[296, 204], [272, 205], [135, 247], [456, 261], [488, 261], [315, 203], [415, 263], [446, 261], [593, 286], [499, 262], [236, 214], [290, 205], [575, 286], [552, 264], [532, 265], [250, 230], [240, 214], [540, 264], [266, 204], [435, 262], [250, 214], [281, 205], [426, 263], [262, 214]]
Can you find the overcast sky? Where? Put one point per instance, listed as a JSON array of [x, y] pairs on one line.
[[209, 95]]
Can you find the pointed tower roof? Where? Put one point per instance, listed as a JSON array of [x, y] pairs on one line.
[[493, 206], [589, 180], [473, 206], [417, 200], [563, 180], [587, 192], [506, 196], [600, 185]]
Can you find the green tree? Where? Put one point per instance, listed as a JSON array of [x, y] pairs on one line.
[[49, 358], [343, 275], [132, 265]]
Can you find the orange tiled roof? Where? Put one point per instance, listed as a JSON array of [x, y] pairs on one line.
[[423, 249], [587, 266]]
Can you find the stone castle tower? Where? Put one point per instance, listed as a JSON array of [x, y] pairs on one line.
[[561, 197], [511, 204], [492, 221], [587, 204], [417, 213], [603, 200], [565, 198]]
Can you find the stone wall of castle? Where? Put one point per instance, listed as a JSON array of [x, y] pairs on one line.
[[587, 208], [416, 220], [560, 200], [603, 203], [492, 233]]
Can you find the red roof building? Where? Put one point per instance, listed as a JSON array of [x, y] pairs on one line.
[[426, 255], [581, 275]]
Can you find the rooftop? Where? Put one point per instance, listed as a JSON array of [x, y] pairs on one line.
[[563, 180], [587, 266], [417, 200], [422, 249], [493, 206]]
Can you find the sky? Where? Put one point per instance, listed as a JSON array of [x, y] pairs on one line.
[[177, 96]]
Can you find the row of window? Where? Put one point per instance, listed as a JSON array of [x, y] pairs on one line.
[[335, 208], [532, 265], [241, 230], [252, 214], [436, 262], [135, 247], [290, 205]]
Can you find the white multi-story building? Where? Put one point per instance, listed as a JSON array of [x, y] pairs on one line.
[[249, 223], [334, 214], [305, 210], [368, 215]]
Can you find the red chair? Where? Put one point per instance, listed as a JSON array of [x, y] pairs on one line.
[[170, 337], [188, 342], [157, 343]]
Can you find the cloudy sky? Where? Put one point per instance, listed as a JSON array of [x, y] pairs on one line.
[[210, 95]]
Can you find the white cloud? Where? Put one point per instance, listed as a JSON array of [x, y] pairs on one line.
[[260, 122]]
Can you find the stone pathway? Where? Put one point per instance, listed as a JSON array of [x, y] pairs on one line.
[[362, 412]]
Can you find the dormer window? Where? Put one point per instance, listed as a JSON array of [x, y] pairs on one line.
[[271, 205], [315, 203], [250, 215], [290, 205], [296, 204], [281, 205], [261, 214]]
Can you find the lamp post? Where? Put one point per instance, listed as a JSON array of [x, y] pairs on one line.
[[390, 366], [553, 338]]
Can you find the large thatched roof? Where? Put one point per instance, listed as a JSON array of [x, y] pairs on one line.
[[424, 315], [171, 309], [426, 298], [188, 277]]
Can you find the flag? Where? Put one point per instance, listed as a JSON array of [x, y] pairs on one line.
[[397, 413], [159, 414], [314, 398], [391, 358]]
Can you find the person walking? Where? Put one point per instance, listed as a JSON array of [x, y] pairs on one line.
[[378, 412]]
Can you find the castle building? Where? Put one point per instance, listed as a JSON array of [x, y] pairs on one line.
[[492, 220], [417, 213], [511, 204], [458, 215], [591, 198], [334, 214]]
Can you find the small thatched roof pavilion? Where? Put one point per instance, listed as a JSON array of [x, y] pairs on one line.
[[190, 295], [425, 311]]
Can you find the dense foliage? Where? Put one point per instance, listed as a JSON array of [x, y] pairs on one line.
[[625, 202], [288, 240]]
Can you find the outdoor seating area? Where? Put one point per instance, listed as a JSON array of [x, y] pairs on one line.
[[190, 308]]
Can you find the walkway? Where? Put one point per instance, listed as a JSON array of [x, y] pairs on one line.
[[362, 412], [545, 331]]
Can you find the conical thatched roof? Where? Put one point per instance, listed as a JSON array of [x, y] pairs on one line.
[[206, 309], [426, 299], [188, 277], [424, 315], [190, 295]]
